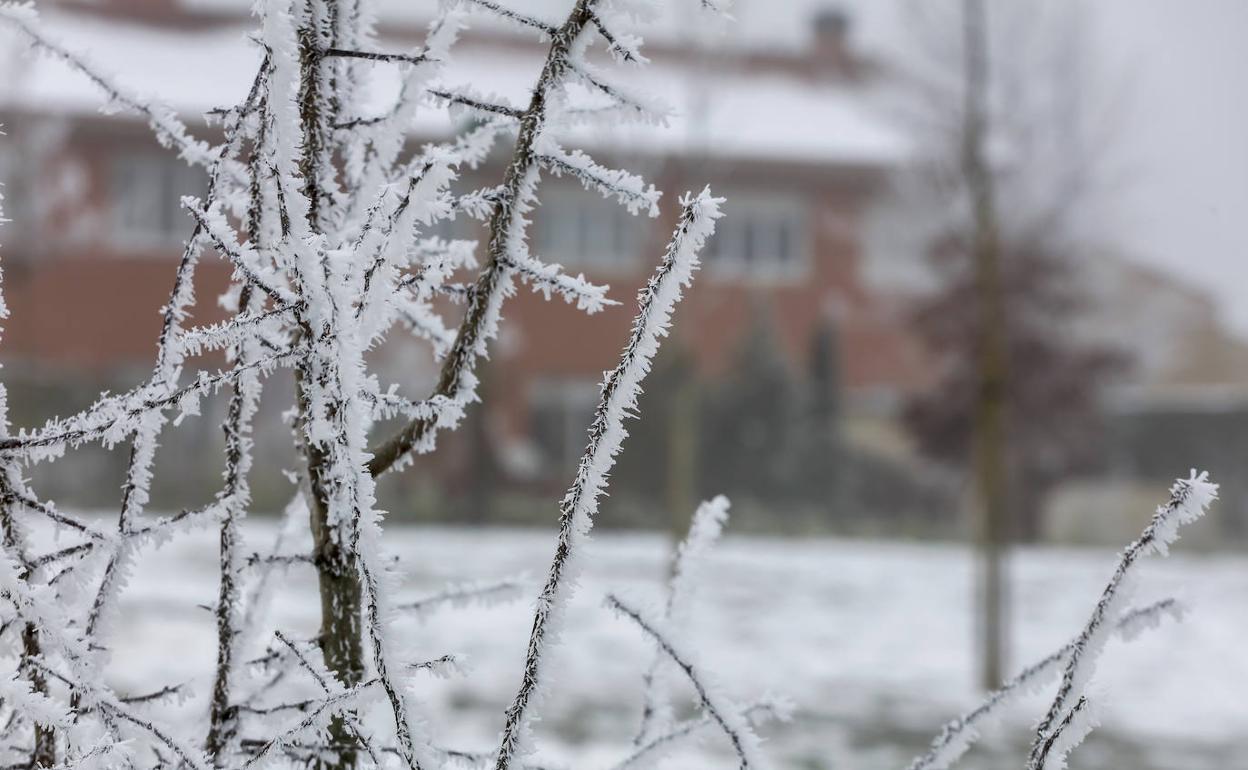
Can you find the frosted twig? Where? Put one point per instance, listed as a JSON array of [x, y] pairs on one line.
[[456, 379], [652, 749], [704, 529], [516, 16], [960, 734], [1189, 499], [463, 594], [724, 713], [606, 435], [168, 129]]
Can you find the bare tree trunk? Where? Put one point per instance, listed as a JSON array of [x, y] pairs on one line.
[[989, 441], [682, 447], [223, 714], [338, 574], [44, 754], [44, 751]]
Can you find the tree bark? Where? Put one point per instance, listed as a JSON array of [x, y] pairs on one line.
[[338, 575], [989, 439], [44, 750]]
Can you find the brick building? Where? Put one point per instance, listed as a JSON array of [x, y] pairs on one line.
[[784, 129]]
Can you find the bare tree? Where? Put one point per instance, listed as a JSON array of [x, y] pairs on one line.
[[1011, 179], [991, 505]]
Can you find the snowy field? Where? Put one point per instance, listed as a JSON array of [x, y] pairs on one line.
[[871, 641]]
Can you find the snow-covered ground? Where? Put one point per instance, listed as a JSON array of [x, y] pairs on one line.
[[871, 640]]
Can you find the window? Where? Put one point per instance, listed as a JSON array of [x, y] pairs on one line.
[[147, 189], [461, 228], [14, 197], [579, 228], [762, 237], [559, 416]]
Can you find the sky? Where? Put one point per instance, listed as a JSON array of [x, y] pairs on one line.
[[1184, 64], [1178, 72]]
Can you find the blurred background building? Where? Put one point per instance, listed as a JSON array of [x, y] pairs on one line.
[[794, 359]]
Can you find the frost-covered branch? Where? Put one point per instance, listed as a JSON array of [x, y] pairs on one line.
[[647, 753], [235, 497], [515, 16], [465, 594], [164, 122], [1189, 499], [457, 379], [957, 737], [606, 436], [728, 716], [1067, 734], [704, 529], [628, 188]]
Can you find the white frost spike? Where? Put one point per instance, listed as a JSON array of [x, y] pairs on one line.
[[606, 436]]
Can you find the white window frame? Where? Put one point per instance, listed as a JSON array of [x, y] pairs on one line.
[[576, 400], [145, 211], [569, 230], [751, 220]]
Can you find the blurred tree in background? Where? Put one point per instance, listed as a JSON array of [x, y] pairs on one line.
[[1053, 391]]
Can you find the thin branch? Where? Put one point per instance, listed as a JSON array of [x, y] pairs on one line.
[[1189, 499], [606, 435], [960, 734], [519, 18], [456, 379], [403, 58], [726, 715]]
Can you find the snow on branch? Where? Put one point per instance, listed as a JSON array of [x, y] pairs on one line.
[[606, 436], [481, 104], [247, 263], [514, 16], [1068, 734], [164, 123], [704, 530], [647, 109], [550, 279], [324, 219], [484, 594], [653, 749], [730, 718], [1189, 499], [625, 48], [112, 419], [959, 735], [515, 198], [628, 188], [327, 220]]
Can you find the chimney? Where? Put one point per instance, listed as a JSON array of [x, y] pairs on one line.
[[831, 26]]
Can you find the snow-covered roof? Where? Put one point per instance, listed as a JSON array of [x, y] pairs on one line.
[[757, 25], [736, 114]]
